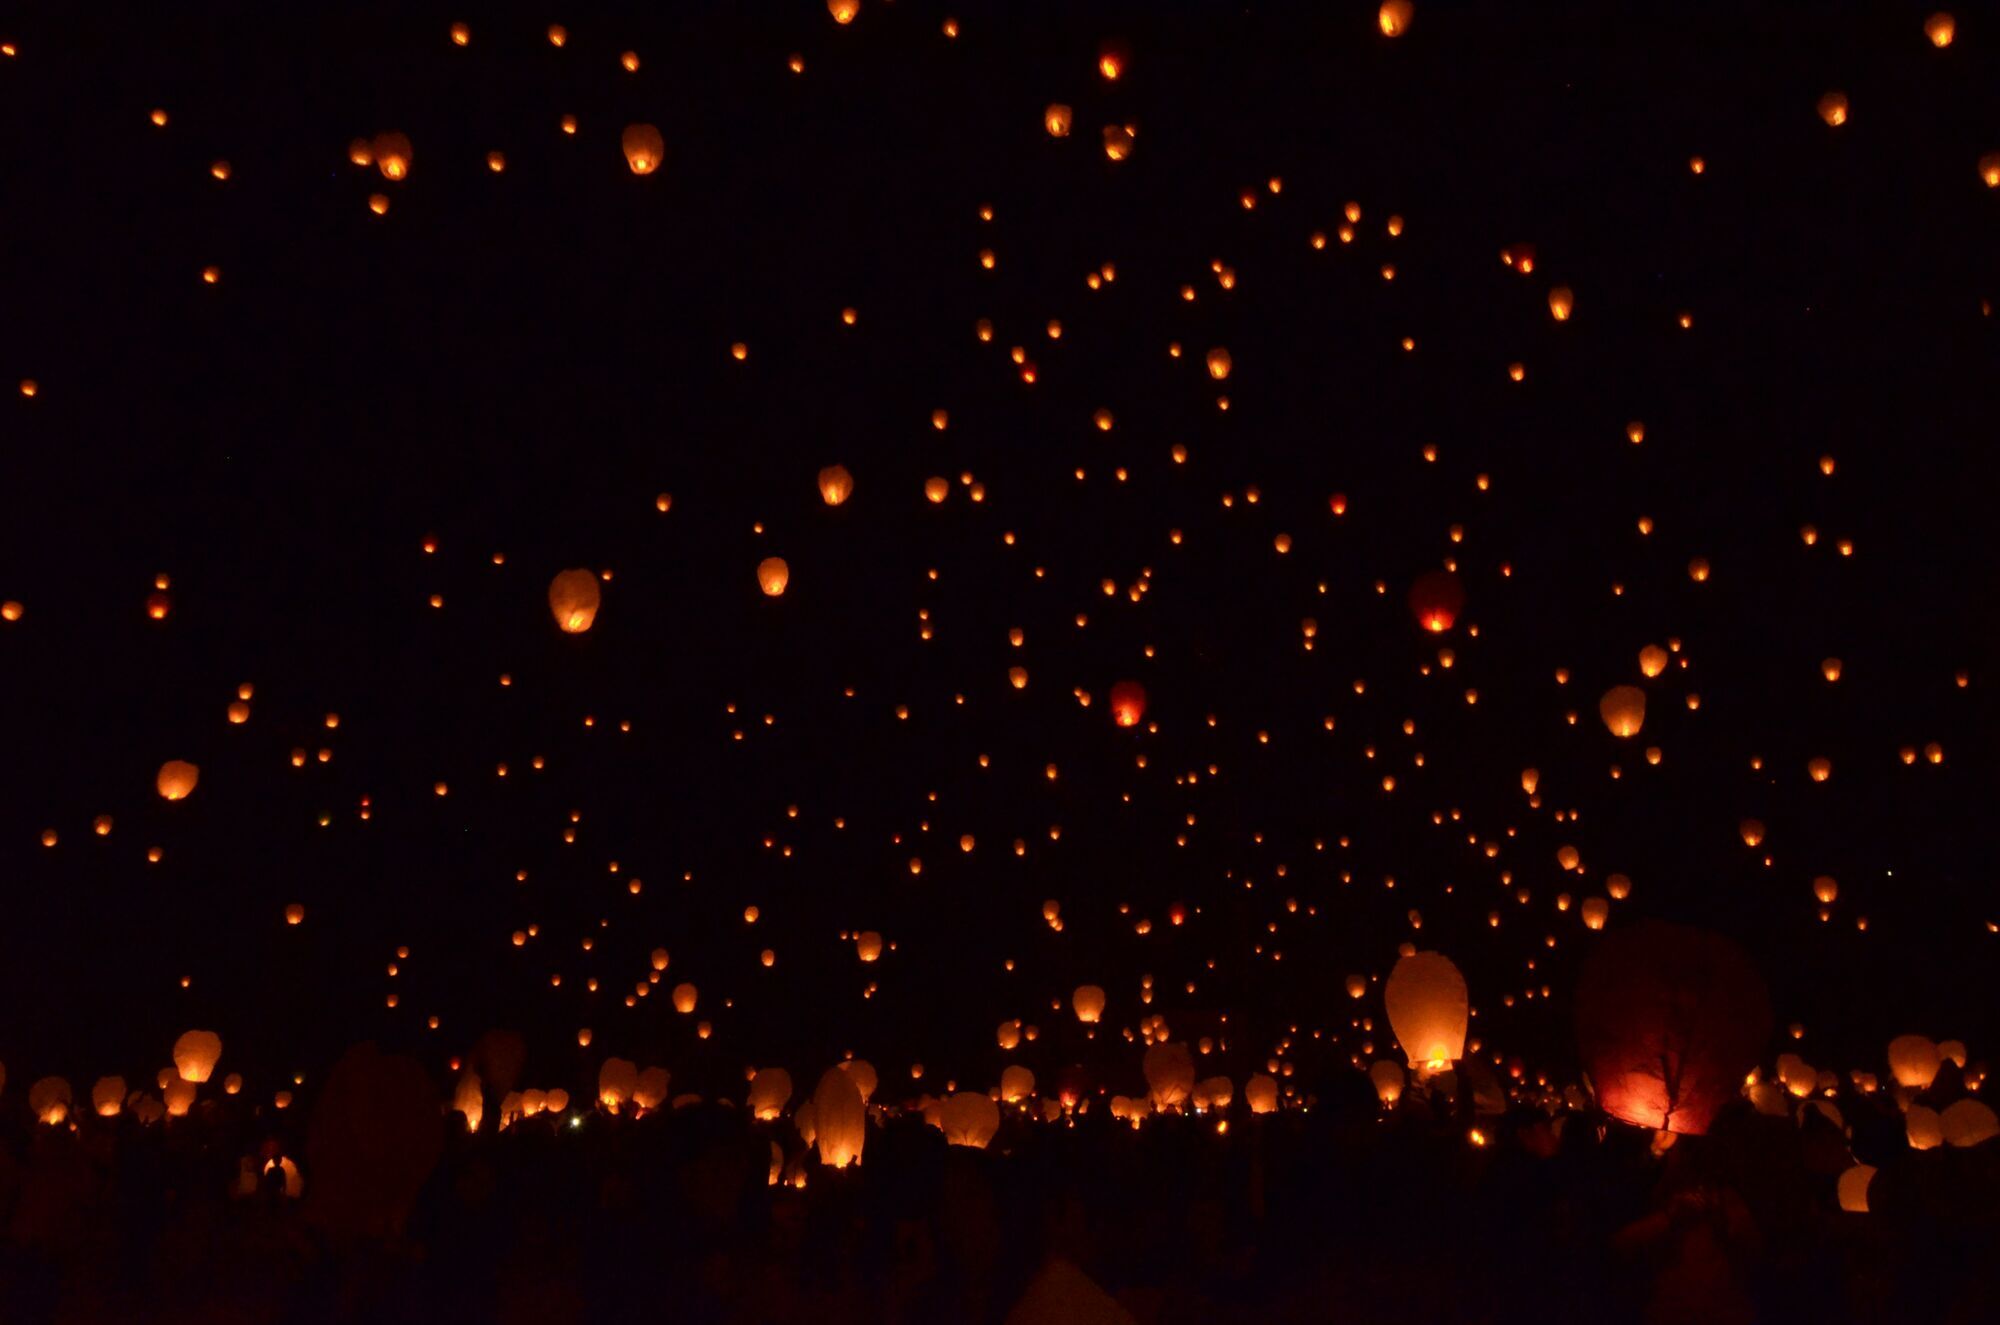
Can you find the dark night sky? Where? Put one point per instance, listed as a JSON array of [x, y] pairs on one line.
[[519, 362]]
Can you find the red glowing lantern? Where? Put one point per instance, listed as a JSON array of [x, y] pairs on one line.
[[1669, 1020], [1128, 703], [1436, 600]]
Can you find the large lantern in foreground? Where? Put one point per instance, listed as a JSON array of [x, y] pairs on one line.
[[1436, 599], [573, 598], [1428, 1008], [1669, 1020]]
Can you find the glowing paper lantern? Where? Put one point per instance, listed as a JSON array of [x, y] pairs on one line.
[[770, 1091], [1088, 1000], [1853, 1188], [839, 1119], [1394, 17], [868, 945], [1428, 1008], [617, 1078], [862, 1073], [1016, 1084], [573, 598], [1262, 1093], [1436, 599], [836, 485], [773, 575], [968, 1118], [1128, 703], [1623, 709], [1968, 1122], [644, 148], [176, 779], [1669, 1021], [1914, 1061], [49, 1099], [1387, 1076], [1169, 1076], [107, 1097], [195, 1054], [392, 155]]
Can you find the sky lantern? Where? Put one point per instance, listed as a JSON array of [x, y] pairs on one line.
[[1169, 1076], [1388, 1078], [685, 995], [1940, 28], [1261, 1092], [1562, 301], [868, 945], [1057, 118], [1623, 709], [176, 779], [1967, 1122], [1219, 363], [195, 1054], [1088, 1001], [1852, 1188], [836, 485], [392, 155], [1128, 703], [843, 11], [968, 1118], [770, 1091], [1669, 1020], [573, 598], [1652, 661], [1914, 1061], [863, 1074], [1833, 108], [1596, 910], [650, 1090], [1436, 599], [1989, 170], [616, 1080], [1394, 17], [644, 148], [1016, 1083], [49, 1099], [1357, 985], [839, 1119], [468, 1098], [773, 574], [1117, 141], [107, 1097], [1428, 1008]]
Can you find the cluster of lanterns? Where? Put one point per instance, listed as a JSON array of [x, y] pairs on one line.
[[1670, 1021]]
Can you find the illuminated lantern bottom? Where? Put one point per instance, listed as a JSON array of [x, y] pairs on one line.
[[1669, 1021]]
